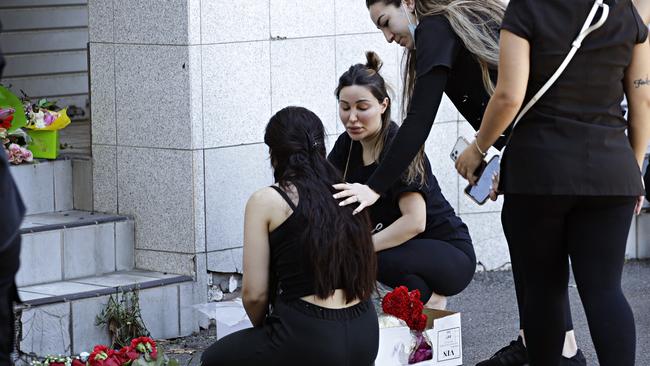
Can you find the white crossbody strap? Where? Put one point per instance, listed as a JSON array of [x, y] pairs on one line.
[[584, 32]]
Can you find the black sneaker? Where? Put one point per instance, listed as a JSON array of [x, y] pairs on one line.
[[513, 354], [577, 360]]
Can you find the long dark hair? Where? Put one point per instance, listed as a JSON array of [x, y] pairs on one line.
[[369, 77], [337, 245]]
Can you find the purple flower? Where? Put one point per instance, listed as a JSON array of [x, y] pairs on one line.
[[49, 118], [422, 351]]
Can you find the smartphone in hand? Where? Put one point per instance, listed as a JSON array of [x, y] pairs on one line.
[[480, 192], [459, 147]]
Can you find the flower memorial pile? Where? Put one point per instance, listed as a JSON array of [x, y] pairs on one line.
[[13, 142], [29, 129], [408, 307], [141, 352]]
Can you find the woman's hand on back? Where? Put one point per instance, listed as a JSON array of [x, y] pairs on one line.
[[356, 193]]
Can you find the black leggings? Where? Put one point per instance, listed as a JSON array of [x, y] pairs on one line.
[[429, 265], [519, 280], [300, 333], [592, 231], [9, 260]]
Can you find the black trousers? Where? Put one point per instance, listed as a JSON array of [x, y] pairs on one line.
[[9, 263], [548, 230], [300, 333], [429, 265], [517, 276]]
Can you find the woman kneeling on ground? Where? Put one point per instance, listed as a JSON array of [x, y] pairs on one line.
[[419, 240], [308, 258]]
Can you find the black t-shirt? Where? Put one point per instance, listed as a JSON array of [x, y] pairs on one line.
[[442, 222], [443, 64], [437, 44], [573, 141]]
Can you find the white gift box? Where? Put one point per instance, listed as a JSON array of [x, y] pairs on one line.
[[443, 331]]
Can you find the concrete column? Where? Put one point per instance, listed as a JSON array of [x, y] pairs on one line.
[[181, 91]]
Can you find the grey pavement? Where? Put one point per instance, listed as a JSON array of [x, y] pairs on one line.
[[490, 318]]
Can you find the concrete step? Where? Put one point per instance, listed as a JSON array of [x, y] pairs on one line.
[[59, 317], [45, 186], [55, 185], [73, 244]]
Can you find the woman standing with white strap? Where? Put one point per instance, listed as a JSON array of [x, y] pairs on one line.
[[571, 174]]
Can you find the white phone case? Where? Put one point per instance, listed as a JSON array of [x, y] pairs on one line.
[[459, 147]]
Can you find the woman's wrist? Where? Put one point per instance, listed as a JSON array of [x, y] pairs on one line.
[[478, 148], [481, 146]]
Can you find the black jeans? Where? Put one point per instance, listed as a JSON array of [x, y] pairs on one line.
[[429, 265], [300, 333], [591, 230], [9, 263]]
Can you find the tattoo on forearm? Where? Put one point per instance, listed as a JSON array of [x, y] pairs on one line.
[[641, 82]]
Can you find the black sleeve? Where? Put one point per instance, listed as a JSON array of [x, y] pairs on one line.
[[436, 44], [338, 155], [402, 187], [642, 28], [519, 19], [427, 95]]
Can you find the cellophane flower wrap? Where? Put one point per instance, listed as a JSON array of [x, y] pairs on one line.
[[407, 306], [43, 115]]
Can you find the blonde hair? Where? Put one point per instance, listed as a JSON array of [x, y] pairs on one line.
[[473, 21]]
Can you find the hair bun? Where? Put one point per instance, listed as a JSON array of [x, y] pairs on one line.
[[373, 62]]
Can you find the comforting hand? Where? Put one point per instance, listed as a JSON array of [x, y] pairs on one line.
[[356, 193], [468, 162]]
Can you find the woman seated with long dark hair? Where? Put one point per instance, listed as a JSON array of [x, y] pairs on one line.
[[308, 258]]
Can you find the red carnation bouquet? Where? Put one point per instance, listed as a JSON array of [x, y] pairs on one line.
[[141, 351], [407, 306]]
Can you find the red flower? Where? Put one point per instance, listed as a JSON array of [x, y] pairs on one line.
[[126, 354], [142, 340], [78, 362], [57, 363], [6, 122], [103, 356], [145, 345], [407, 306]]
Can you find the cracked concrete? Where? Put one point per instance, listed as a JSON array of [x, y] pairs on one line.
[[46, 329]]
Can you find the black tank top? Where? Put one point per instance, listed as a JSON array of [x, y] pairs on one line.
[[291, 277]]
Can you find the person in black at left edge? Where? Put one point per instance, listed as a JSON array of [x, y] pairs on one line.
[[13, 211]]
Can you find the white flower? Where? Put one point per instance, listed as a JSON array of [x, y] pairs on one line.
[[38, 119], [83, 356]]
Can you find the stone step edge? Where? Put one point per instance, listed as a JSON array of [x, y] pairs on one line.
[[74, 224], [158, 282]]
